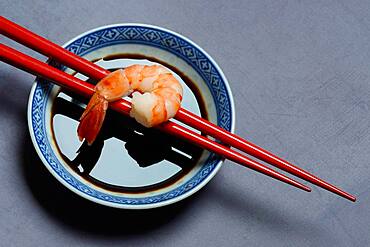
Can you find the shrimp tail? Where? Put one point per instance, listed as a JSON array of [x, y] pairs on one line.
[[92, 119]]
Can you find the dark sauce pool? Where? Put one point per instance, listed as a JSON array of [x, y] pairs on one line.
[[146, 146]]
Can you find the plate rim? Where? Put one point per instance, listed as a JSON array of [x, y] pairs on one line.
[[134, 206]]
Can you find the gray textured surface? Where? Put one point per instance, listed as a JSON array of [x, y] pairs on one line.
[[300, 75]]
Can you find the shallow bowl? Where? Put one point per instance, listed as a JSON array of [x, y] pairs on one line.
[[129, 166]]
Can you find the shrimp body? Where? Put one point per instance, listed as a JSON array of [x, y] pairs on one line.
[[157, 97]]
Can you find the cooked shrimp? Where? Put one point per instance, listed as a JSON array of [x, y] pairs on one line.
[[157, 97]]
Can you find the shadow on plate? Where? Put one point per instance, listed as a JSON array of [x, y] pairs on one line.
[[146, 146]]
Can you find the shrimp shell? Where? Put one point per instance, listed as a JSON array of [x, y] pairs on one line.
[[157, 97]]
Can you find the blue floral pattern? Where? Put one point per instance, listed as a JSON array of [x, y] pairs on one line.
[[147, 36]]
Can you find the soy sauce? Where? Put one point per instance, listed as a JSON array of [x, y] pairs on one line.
[[147, 146]]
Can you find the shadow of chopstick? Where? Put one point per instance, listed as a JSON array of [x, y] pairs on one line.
[[79, 214]]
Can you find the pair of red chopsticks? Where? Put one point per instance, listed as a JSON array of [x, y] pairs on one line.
[[47, 48]]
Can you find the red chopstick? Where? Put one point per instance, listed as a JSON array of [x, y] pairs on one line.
[[74, 84], [90, 69]]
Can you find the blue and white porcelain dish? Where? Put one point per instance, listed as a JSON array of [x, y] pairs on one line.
[[55, 139]]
